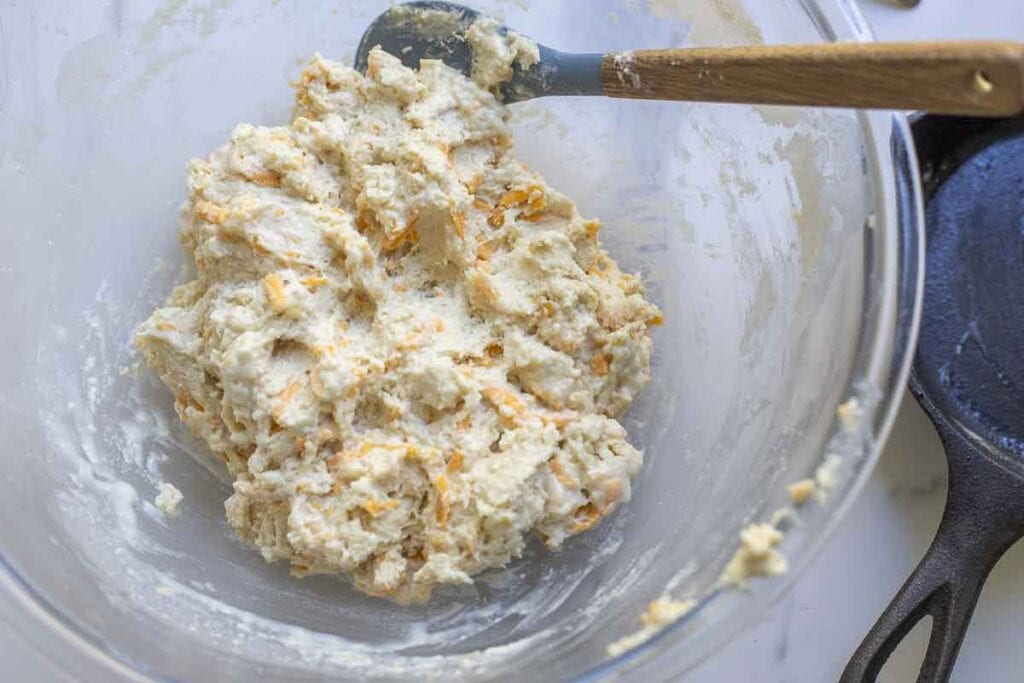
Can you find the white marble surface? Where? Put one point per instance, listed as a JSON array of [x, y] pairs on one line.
[[809, 635]]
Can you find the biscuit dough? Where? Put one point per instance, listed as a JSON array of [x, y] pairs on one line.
[[408, 350], [168, 499], [756, 556], [661, 613], [494, 53]]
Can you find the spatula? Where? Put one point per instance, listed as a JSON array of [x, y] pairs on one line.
[[964, 78]]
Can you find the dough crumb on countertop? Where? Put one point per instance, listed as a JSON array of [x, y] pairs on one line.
[[756, 556], [800, 491], [168, 499], [660, 613], [409, 351]]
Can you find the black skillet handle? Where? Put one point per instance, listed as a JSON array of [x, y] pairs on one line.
[[984, 512], [972, 536]]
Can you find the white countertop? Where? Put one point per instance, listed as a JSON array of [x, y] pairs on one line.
[[883, 536]]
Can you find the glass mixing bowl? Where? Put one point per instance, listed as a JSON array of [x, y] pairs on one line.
[[784, 246]]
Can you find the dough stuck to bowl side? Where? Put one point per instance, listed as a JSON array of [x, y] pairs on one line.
[[408, 350]]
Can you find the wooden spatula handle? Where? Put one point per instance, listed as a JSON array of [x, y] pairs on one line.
[[963, 78]]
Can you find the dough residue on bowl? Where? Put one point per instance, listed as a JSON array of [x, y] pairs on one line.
[[494, 52], [659, 614], [408, 349], [168, 499], [757, 555]]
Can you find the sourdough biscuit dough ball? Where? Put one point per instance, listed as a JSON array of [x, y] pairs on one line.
[[408, 349]]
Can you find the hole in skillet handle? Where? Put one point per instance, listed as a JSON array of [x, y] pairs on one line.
[[968, 374]]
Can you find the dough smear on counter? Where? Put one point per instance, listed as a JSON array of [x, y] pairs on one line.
[[407, 348]]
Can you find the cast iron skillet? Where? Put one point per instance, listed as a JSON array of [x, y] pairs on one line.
[[968, 376]]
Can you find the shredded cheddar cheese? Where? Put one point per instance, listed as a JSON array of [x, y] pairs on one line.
[[273, 287]]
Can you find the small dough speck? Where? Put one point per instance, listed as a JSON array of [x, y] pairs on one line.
[[800, 491], [168, 499], [756, 556], [849, 414], [826, 477]]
